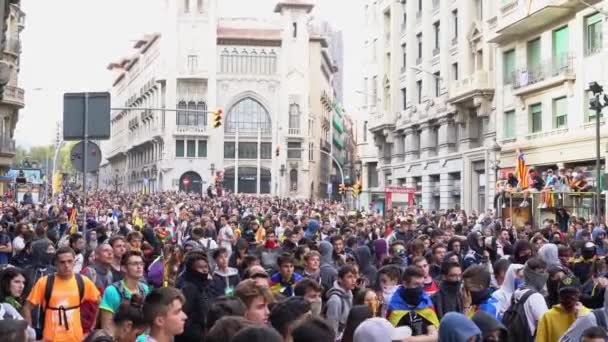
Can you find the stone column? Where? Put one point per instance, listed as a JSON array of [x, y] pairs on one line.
[[445, 185], [427, 192], [428, 138], [412, 144], [398, 147], [446, 136]]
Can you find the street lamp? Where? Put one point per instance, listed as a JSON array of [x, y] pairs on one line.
[[595, 103]]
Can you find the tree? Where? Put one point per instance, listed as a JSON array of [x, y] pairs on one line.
[[64, 162]]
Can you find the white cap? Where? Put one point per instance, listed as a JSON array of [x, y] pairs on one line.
[[380, 330]]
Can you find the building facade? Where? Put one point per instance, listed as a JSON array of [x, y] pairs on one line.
[[273, 80], [428, 99], [12, 99], [543, 77]]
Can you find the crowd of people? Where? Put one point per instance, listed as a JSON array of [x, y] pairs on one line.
[[184, 267]]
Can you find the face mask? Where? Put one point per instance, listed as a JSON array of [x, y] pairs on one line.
[[315, 308], [518, 282], [523, 258], [588, 254], [477, 297], [452, 285], [413, 296]]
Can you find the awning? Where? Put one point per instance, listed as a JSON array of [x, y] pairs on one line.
[[337, 123], [338, 141], [338, 107]]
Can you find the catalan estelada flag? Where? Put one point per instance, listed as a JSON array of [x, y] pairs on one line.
[[521, 171], [398, 309], [72, 222]]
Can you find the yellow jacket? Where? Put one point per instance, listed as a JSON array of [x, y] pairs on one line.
[[555, 322]]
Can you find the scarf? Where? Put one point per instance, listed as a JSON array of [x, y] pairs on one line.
[[535, 280]]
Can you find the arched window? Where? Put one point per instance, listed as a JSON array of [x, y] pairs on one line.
[[294, 115], [248, 115], [182, 116], [201, 107], [191, 113], [293, 180]]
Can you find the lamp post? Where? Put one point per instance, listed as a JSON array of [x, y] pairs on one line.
[[596, 104], [495, 166], [358, 167]]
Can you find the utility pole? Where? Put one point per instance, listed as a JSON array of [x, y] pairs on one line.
[[597, 105]]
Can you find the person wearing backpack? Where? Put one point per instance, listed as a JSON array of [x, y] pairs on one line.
[[560, 317], [340, 298], [132, 266], [60, 296], [527, 303]]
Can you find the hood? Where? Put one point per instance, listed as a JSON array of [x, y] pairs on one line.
[[326, 250], [473, 242], [508, 286], [312, 227], [380, 249], [487, 323], [548, 253], [597, 231], [363, 256], [39, 248], [456, 327], [240, 244], [519, 246]]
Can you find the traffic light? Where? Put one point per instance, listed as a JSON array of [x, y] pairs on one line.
[[277, 150], [342, 188], [357, 188], [217, 118]]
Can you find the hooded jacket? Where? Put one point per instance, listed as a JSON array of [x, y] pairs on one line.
[[475, 253], [223, 284], [548, 253], [456, 327], [488, 324], [504, 293], [601, 249], [398, 308], [555, 322], [328, 271], [339, 303], [196, 290], [41, 263], [311, 229], [364, 260]]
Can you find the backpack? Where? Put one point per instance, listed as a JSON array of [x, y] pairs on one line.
[[48, 291], [601, 317], [515, 320], [122, 290]]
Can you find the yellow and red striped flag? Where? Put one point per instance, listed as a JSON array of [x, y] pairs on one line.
[[72, 222], [521, 171]]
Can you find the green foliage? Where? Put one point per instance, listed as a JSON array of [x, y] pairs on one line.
[[40, 153]]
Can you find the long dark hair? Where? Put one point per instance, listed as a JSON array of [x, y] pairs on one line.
[[356, 316], [6, 276]]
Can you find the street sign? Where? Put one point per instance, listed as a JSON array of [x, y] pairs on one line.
[[330, 189], [95, 107], [93, 156]]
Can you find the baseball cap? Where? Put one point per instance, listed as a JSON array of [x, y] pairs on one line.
[[570, 283], [380, 330]]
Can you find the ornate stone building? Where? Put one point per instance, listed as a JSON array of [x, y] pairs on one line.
[[271, 78]]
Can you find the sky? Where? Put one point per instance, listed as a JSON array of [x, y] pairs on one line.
[[69, 50]]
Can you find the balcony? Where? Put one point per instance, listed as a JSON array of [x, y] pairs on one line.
[[547, 134], [13, 45], [517, 20], [190, 130], [338, 124], [547, 74], [338, 142], [465, 89], [593, 49], [7, 147], [14, 96], [324, 145]]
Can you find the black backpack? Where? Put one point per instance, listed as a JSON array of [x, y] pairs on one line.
[[48, 291], [334, 291], [515, 320]]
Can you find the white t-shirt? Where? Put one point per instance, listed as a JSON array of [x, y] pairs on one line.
[[225, 238], [18, 244], [534, 307], [205, 241]]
